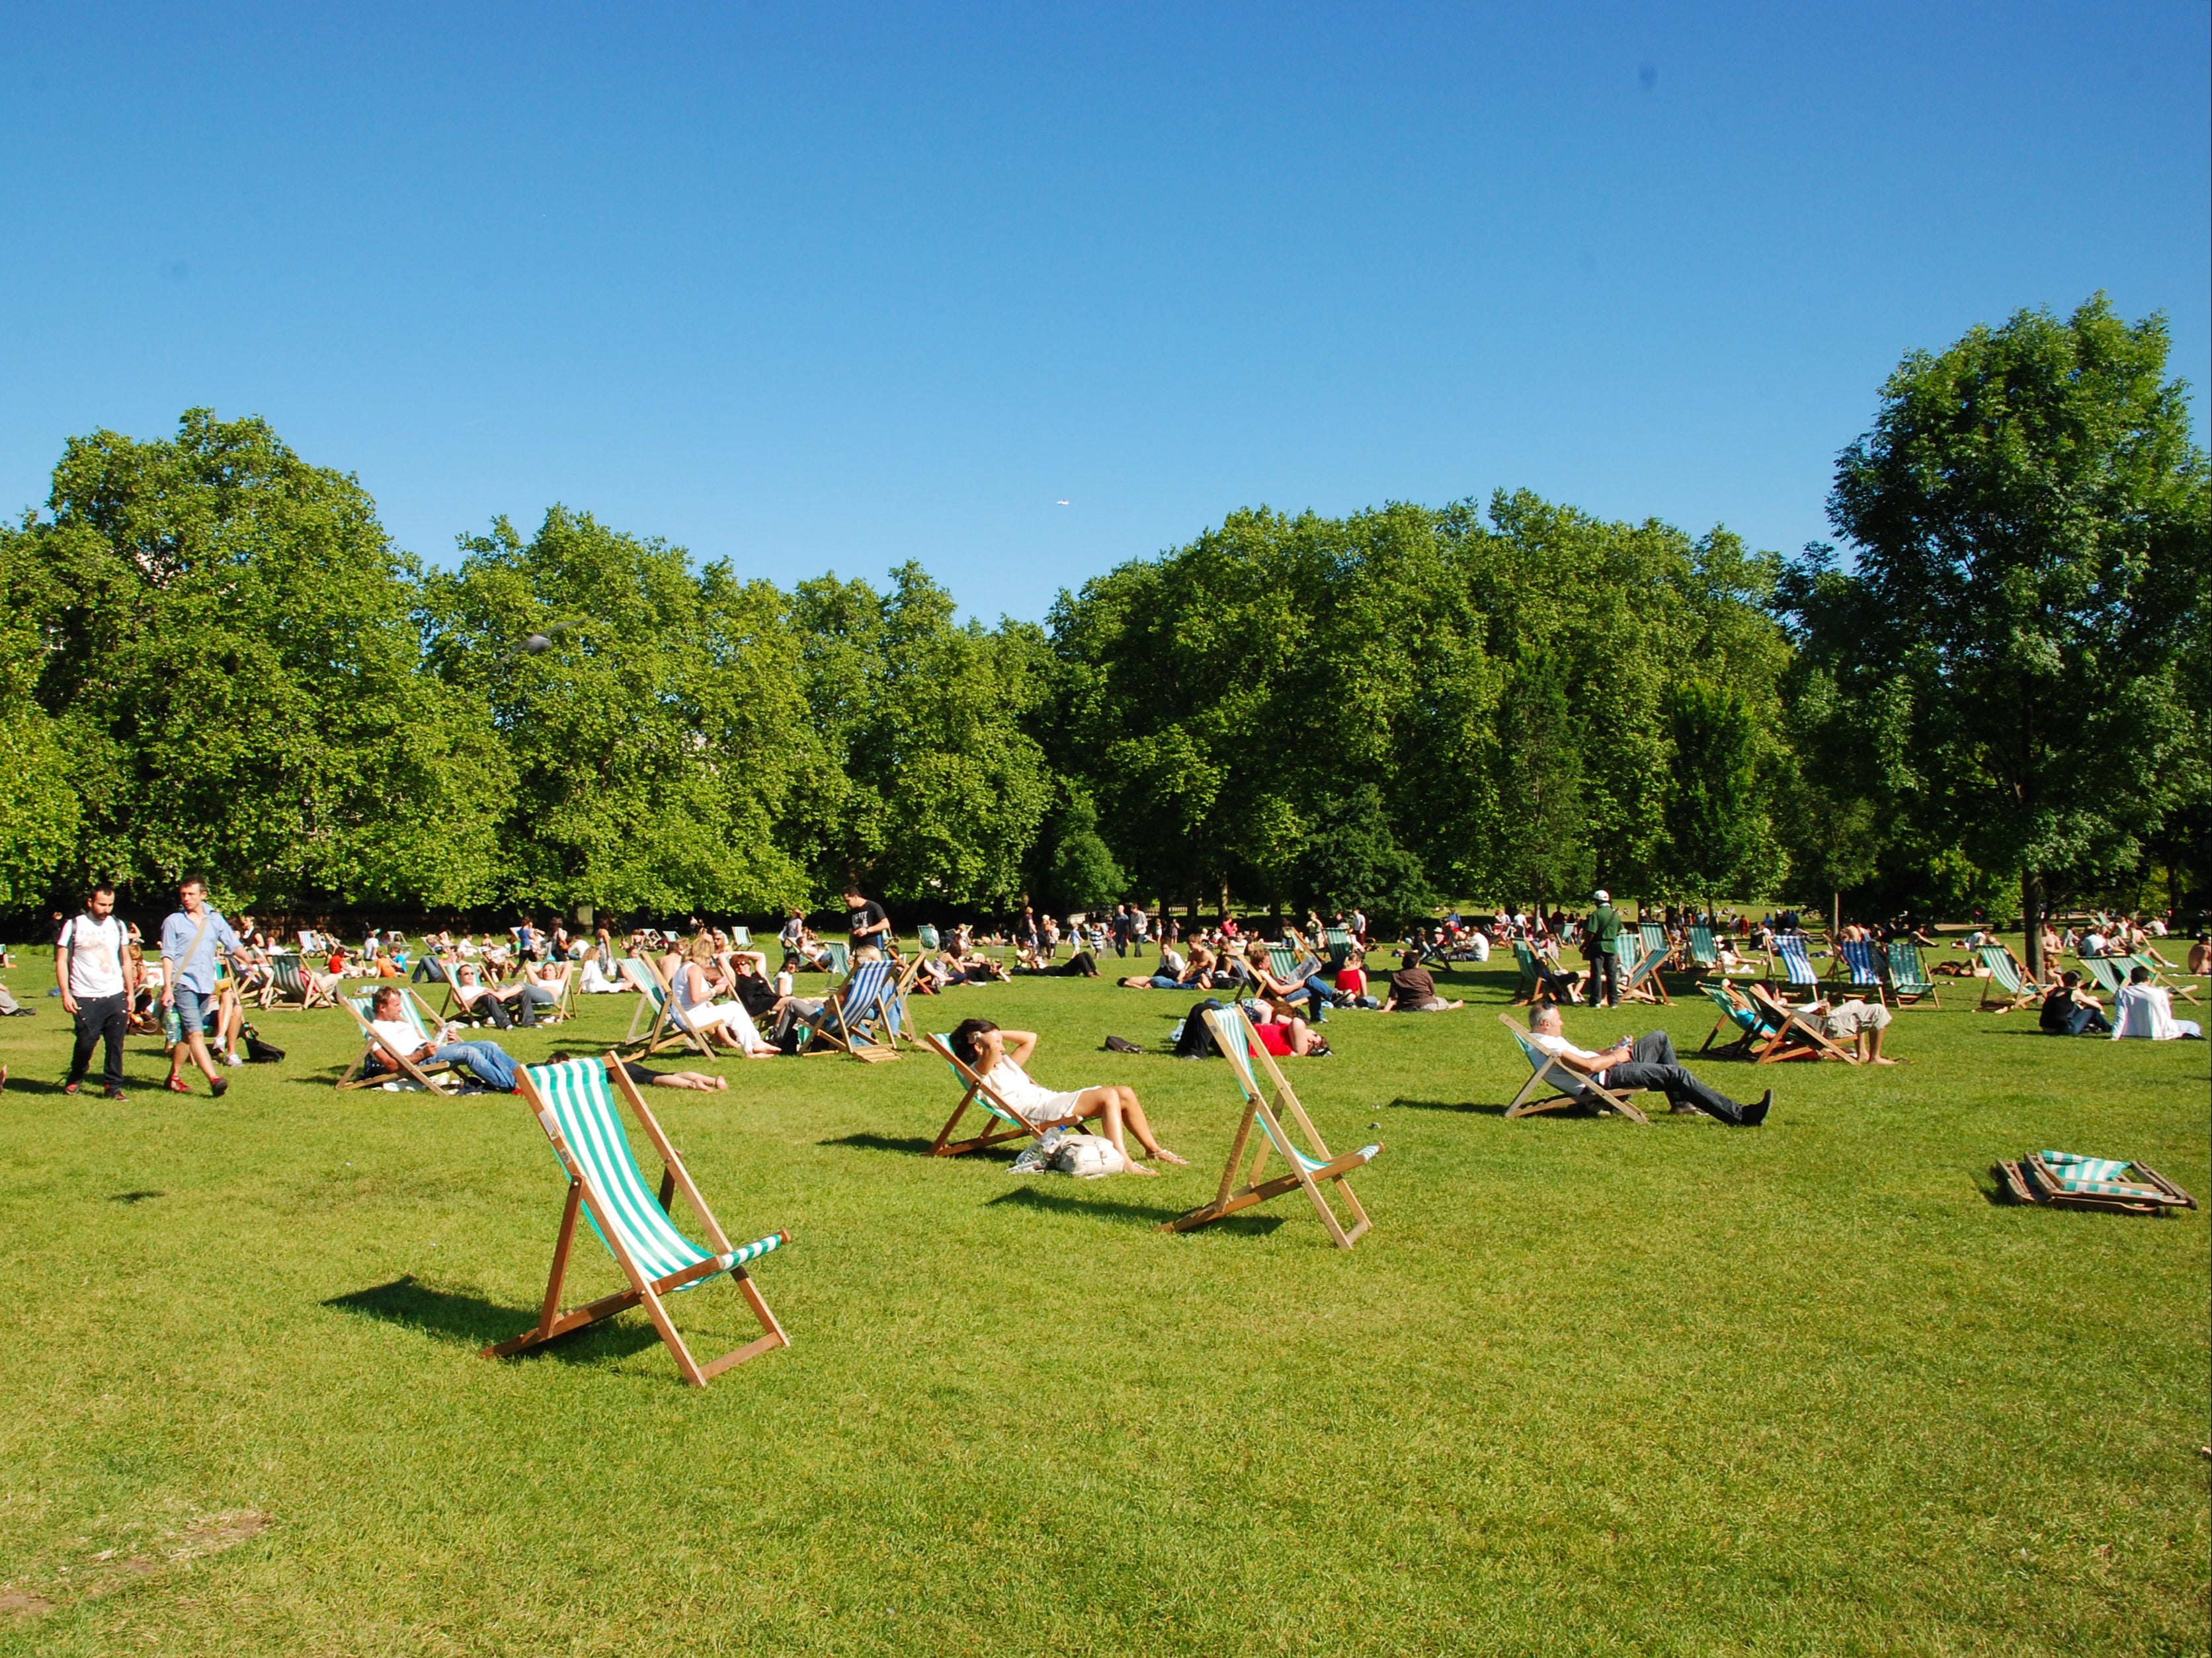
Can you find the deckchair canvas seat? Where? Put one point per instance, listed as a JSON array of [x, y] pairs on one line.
[[2066, 1180], [979, 1094], [1570, 1087]]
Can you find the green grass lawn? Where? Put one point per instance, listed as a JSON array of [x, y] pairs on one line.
[[1586, 1386]]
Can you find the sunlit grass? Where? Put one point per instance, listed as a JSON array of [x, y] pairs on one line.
[[1587, 1387]]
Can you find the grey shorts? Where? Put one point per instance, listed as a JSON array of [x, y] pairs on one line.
[[1846, 1021], [194, 1009]]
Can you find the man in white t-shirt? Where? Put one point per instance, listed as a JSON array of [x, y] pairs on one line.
[[1648, 1062], [98, 978]]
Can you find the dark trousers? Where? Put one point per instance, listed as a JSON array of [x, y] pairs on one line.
[[99, 1017], [2088, 1021], [1606, 966], [1655, 1067]]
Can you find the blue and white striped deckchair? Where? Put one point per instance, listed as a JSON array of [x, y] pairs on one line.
[[978, 1092], [1789, 954], [1861, 963], [862, 1016], [575, 1104], [1572, 1086], [1703, 955], [435, 1078], [1233, 1035]]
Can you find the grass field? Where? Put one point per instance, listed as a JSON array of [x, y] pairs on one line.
[[1588, 1387]]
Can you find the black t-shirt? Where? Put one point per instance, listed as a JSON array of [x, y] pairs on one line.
[[867, 914], [755, 994], [2058, 1011]]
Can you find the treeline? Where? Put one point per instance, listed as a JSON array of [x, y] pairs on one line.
[[213, 657]]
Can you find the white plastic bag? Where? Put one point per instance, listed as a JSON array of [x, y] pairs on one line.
[[1088, 1157]]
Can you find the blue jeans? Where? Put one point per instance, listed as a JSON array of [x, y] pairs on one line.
[[487, 1060], [1166, 981]]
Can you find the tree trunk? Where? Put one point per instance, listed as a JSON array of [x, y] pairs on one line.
[[1835, 916], [2031, 913]]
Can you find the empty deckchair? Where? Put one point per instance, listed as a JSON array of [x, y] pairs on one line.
[[2007, 986], [1233, 1035], [1908, 980], [1703, 954], [431, 1078], [1796, 966], [1860, 962], [574, 1104], [1794, 1033], [860, 1018], [841, 957], [1570, 1086], [980, 1094], [2105, 972], [2181, 988], [1341, 943], [1639, 971], [1653, 936], [2067, 1180]]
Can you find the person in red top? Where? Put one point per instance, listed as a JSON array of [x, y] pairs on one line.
[[1290, 1038]]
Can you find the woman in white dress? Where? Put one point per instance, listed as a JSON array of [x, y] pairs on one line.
[[997, 1056], [723, 1023]]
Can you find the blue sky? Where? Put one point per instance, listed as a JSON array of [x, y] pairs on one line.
[[839, 289]]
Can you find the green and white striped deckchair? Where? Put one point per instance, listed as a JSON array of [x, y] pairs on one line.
[[1752, 1024], [2104, 971], [977, 1092], [2068, 1180], [1234, 1036], [1653, 936], [2007, 986], [574, 1104], [1640, 971], [1908, 980], [433, 1078], [1340, 942], [295, 984], [1570, 1086], [1703, 954], [666, 1027], [1287, 964], [1525, 958], [741, 937]]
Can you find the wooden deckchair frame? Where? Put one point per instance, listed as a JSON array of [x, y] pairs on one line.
[[435, 1079], [1910, 991], [1841, 966], [1796, 1035], [2022, 993], [1229, 1026], [1719, 992], [2159, 971], [981, 1095], [1642, 982], [310, 993], [1573, 1088], [554, 1323], [854, 1036], [1707, 958], [669, 1028]]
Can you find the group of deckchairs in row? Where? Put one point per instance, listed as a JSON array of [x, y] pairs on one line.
[[1640, 963]]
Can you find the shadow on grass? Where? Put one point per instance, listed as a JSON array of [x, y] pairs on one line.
[[1127, 1214], [910, 1147], [1468, 1107], [472, 1321]]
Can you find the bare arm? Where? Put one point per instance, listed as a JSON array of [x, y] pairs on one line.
[[62, 955], [1019, 1045], [1597, 1062]]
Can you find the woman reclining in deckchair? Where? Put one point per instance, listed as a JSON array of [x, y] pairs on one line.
[[720, 1023], [997, 1057]]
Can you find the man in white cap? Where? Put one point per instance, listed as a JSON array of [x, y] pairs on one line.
[[1603, 948]]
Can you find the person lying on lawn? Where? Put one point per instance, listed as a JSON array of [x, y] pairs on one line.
[[1647, 1062], [998, 1057], [698, 1080], [1412, 991], [487, 1060]]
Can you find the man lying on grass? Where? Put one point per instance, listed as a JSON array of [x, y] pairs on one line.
[[1648, 1063], [997, 1057], [487, 1060]]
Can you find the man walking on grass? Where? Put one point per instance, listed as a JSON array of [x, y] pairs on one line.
[[190, 938], [98, 979]]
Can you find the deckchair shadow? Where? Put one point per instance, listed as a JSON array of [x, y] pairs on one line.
[[1466, 1108], [447, 1314], [1114, 1209], [878, 1142]]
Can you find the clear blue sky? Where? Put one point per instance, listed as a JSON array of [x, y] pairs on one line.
[[843, 290]]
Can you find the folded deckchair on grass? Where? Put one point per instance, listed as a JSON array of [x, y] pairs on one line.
[[2181, 988], [2007, 986], [1861, 962], [296, 986], [575, 1104], [1795, 1032], [1571, 1087], [2064, 1180], [431, 1078], [1908, 980], [1011, 1124], [1233, 1035], [861, 1016], [667, 1026], [1796, 966], [1703, 954]]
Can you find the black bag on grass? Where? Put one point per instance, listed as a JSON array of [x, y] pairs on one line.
[[259, 1052]]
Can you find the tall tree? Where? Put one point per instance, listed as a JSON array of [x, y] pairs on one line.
[[2031, 521], [1718, 835]]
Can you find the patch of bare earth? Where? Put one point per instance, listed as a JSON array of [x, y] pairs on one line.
[[201, 1536]]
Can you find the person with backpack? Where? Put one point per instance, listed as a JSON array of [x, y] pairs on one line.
[[98, 976], [1602, 949]]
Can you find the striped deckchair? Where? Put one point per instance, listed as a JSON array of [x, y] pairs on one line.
[[1531, 979], [2105, 972], [862, 1016], [1572, 1086], [668, 1026], [2181, 988], [1291, 965], [1861, 962], [1640, 971], [1751, 1025], [1908, 980], [431, 1078], [1653, 936], [2064, 1180], [1340, 942], [2007, 986], [1704, 956], [574, 1104], [841, 957], [1234, 1036], [296, 984], [978, 1093], [1795, 1032], [1797, 967]]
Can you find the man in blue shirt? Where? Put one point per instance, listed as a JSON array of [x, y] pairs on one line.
[[190, 938]]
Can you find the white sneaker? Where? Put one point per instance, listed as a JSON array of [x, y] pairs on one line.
[[233, 1058]]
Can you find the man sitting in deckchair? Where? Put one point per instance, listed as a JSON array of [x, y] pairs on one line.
[[997, 1056], [1648, 1063], [395, 1037]]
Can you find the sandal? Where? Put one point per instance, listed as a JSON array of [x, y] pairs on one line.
[[178, 1085]]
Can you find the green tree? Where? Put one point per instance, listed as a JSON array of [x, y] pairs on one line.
[[2031, 522], [1718, 831], [1543, 851], [1084, 874]]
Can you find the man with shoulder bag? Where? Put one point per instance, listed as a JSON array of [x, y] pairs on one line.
[[190, 938], [98, 977]]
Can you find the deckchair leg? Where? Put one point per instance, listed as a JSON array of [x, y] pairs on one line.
[[558, 1276]]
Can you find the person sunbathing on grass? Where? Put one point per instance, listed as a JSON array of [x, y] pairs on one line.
[[997, 1056], [1646, 1062]]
